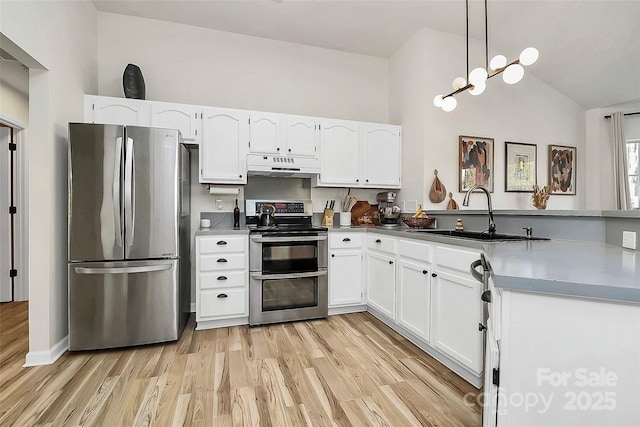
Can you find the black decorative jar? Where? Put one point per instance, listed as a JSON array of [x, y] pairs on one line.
[[133, 82]]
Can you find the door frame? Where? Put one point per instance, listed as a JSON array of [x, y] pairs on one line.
[[21, 225]]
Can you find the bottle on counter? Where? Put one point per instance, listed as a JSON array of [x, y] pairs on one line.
[[236, 216]]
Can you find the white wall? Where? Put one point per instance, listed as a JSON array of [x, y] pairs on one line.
[[62, 37], [600, 159], [14, 91], [529, 111]]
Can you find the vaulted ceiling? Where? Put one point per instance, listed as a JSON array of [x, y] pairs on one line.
[[589, 50]]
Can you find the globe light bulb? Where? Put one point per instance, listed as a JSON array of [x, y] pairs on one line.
[[458, 82], [478, 89], [477, 76], [498, 61], [529, 56], [449, 104], [437, 101], [513, 74]]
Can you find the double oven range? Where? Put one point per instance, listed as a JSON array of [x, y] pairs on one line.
[[287, 264]]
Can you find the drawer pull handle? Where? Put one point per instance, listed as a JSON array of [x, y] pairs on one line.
[[346, 239], [424, 271], [378, 241], [221, 260], [222, 295], [390, 262], [434, 275], [222, 278], [221, 242]]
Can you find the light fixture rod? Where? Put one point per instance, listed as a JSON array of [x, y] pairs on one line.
[[467, 17], [470, 86], [486, 38]]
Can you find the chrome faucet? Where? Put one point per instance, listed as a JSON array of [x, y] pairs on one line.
[[465, 202]]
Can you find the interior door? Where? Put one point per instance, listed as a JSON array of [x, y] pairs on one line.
[[95, 192], [5, 219], [151, 188]]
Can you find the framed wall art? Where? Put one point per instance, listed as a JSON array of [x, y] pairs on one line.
[[562, 169], [475, 162], [520, 167]]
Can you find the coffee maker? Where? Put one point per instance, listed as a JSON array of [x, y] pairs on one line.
[[389, 214]]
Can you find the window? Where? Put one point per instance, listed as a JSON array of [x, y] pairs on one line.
[[633, 159]]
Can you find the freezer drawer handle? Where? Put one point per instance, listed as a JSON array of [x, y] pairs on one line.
[[222, 295], [122, 270]]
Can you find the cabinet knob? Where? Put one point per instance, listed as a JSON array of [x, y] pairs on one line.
[[357, 180], [222, 278], [221, 260], [346, 239], [333, 255], [481, 327], [486, 296], [424, 271], [222, 295], [378, 241], [278, 149], [240, 176], [390, 262], [434, 275], [221, 242], [367, 180], [289, 149]]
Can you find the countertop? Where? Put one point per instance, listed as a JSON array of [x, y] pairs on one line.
[[562, 267]]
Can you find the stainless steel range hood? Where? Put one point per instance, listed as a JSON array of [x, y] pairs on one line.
[[282, 166]]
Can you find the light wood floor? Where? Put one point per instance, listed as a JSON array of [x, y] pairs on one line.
[[345, 370]]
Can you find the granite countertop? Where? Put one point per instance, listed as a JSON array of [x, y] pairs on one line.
[[563, 267]]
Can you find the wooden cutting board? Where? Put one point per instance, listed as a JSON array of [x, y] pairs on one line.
[[359, 210]]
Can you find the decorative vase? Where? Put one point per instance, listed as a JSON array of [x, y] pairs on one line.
[[133, 82], [540, 196]]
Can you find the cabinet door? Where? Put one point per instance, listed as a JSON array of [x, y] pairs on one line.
[[301, 135], [382, 155], [457, 313], [414, 298], [185, 118], [339, 153], [345, 278], [381, 281], [120, 111], [224, 136], [265, 133]]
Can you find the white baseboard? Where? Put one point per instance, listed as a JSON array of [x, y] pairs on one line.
[[347, 309], [47, 357]]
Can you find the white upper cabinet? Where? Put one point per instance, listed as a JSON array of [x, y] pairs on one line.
[[265, 133], [301, 135], [282, 134], [339, 153], [185, 118], [382, 155], [222, 153], [116, 111], [356, 154]]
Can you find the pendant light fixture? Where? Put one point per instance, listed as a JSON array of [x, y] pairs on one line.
[[476, 81]]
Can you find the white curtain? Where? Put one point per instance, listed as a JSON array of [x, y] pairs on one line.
[[620, 163]]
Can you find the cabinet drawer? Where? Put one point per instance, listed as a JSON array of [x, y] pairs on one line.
[[381, 243], [456, 259], [222, 244], [416, 250], [223, 279], [222, 262], [223, 303], [344, 240]]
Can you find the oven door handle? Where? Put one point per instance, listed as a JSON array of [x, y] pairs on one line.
[[288, 275], [289, 239]]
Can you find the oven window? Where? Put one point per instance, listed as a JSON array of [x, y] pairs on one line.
[[289, 257], [283, 294]]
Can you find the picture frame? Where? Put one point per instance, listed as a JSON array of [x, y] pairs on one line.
[[475, 162], [520, 165], [562, 170]]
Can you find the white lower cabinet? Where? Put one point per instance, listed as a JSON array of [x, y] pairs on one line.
[[414, 298], [222, 280], [457, 312], [345, 270], [381, 280]]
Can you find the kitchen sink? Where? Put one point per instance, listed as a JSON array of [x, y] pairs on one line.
[[477, 235]]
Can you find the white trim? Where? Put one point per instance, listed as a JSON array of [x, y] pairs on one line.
[[47, 357], [347, 309], [221, 323], [193, 307], [11, 122]]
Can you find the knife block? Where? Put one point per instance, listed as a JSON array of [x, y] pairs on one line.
[[327, 218]]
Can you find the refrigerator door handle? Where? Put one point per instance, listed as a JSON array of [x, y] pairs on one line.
[[122, 270], [129, 192], [117, 208]]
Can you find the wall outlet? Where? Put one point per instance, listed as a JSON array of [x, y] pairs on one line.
[[629, 239], [410, 206], [219, 205]]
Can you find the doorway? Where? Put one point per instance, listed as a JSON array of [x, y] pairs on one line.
[[7, 211]]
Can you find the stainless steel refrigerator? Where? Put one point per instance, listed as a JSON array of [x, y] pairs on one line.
[[128, 236]]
